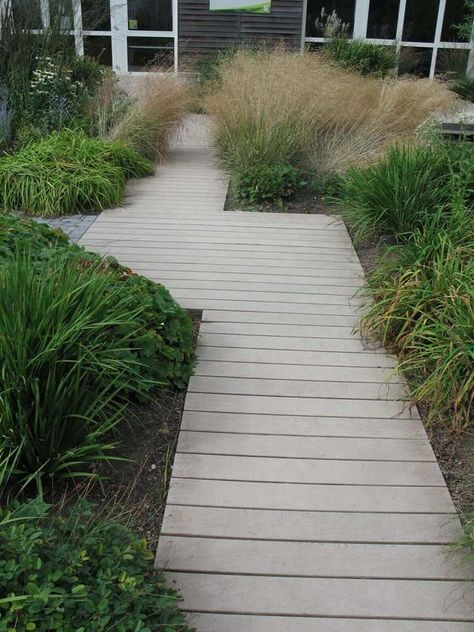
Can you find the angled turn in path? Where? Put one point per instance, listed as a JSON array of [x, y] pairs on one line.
[[305, 495]]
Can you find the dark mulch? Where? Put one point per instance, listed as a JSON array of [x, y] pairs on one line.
[[134, 489]]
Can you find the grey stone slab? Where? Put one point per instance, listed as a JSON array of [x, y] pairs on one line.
[[304, 426], [311, 559], [297, 388], [329, 597], [350, 448], [307, 526], [308, 471], [292, 496]]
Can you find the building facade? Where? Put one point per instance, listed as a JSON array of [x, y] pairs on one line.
[[129, 34]]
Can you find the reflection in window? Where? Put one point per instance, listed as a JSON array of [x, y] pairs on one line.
[[453, 15], [96, 15], [27, 14], [415, 61], [150, 15], [60, 12], [344, 8], [99, 47], [147, 52], [383, 16], [420, 20], [452, 62]]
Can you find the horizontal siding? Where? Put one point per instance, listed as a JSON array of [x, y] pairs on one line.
[[202, 32]]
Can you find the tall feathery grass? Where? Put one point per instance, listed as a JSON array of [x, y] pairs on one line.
[[283, 107], [156, 107]]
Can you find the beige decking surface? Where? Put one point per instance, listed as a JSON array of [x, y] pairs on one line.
[[305, 496]]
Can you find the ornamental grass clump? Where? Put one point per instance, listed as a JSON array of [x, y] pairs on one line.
[[66, 173], [421, 306], [156, 107], [282, 107]]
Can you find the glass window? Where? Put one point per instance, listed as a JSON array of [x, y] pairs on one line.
[[60, 12], [99, 47], [383, 16], [150, 15], [454, 14], [96, 15], [415, 61], [145, 52], [27, 13], [420, 20], [344, 8], [452, 61]]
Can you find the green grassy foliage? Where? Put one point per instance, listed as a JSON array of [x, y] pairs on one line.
[[81, 338], [396, 195], [360, 56], [68, 172], [263, 182], [73, 571]]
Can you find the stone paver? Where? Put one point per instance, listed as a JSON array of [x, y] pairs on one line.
[[305, 495], [73, 225]]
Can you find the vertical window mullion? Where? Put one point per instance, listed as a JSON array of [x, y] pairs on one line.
[[437, 37], [45, 15], [361, 18], [175, 33], [78, 27], [119, 29], [470, 61], [304, 14]]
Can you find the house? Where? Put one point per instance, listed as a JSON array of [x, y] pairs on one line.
[[129, 34]]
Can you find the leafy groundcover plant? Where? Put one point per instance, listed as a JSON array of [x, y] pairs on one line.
[[68, 172], [82, 337], [75, 572], [260, 183]]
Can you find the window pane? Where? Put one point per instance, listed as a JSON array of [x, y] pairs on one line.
[[452, 61], [99, 47], [344, 9], [420, 20], [150, 15], [383, 16], [27, 13], [415, 61], [144, 52], [454, 14], [96, 15], [60, 12]]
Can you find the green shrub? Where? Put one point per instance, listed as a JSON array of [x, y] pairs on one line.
[[364, 57], [67, 173], [76, 572], [464, 86], [421, 305], [70, 343], [263, 182], [165, 333], [395, 195]]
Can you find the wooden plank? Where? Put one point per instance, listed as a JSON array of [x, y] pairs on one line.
[[297, 388], [365, 449], [298, 406], [303, 426], [329, 597], [269, 318], [287, 357], [294, 343], [292, 372], [289, 330], [334, 289], [317, 526], [259, 623], [296, 497], [310, 559], [308, 471]]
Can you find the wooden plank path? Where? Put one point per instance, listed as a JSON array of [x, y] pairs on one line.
[[305, 496]]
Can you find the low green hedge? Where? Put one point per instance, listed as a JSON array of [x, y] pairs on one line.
[[74, 572], [66, 173], [363, 57]]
